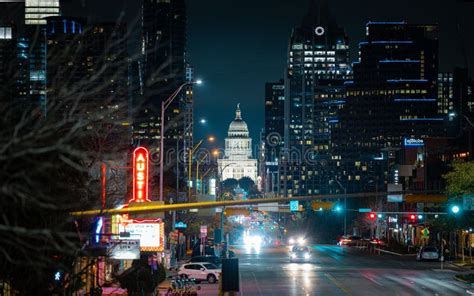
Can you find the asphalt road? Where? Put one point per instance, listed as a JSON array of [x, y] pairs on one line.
[[340, 271]]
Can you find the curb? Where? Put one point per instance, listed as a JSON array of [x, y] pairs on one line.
[[394, 253], [461, 280]]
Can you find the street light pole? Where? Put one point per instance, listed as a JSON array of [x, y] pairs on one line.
[[197, 170], [164, 105], [222, 212], [345, 205], [190, 160]]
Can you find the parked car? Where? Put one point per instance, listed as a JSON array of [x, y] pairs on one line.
[[210, 259], [349, 240], [428, 253], [377, 242], [202, 271]]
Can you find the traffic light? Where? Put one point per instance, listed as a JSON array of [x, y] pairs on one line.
[[372, 216], [455, 209], [412, 217]]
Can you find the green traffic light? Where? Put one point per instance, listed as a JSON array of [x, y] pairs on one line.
[[455, 209]]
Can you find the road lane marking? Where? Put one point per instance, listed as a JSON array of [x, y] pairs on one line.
[[336, 282], [240, 284], [370, 278], [256, 283]]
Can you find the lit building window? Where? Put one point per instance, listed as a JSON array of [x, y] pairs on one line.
[[5, 33]]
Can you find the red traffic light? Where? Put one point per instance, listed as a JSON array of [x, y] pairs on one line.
[[372, 216], [412, 217]]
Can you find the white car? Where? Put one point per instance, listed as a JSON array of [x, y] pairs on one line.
[[201, 271], [300, 254], [428, 253]]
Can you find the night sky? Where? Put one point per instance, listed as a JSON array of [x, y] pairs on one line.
[[237, 46]]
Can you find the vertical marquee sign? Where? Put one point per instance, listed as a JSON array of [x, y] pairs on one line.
[[140, 175]]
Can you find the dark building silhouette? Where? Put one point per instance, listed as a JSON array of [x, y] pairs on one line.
[[272, 137], [87, 73], [393, 98], [163, 70]]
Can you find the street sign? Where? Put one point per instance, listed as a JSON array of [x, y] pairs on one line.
[[394, 198], [294, 205], [425, 233], [124, 249], [413, 142], [174, 236], [322, 205], [424, 198], [468, 202], [150, 233], [180, 224], [270, 207], [365, 210], [237, 212]]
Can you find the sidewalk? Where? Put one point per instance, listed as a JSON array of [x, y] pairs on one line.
[[466, 265]]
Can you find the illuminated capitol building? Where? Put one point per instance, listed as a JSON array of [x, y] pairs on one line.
[[237, 161]]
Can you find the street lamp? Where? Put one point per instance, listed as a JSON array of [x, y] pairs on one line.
[[345, 204], [164, 105], [206, 154], [470, 128]]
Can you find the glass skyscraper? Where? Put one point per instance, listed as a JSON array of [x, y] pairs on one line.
[[318, 64]]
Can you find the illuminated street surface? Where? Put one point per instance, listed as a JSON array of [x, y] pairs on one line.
[[336, 271]]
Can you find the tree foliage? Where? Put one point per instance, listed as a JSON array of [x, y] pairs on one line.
[[460, 180], [47, 159], [246, 183], [228, 185]]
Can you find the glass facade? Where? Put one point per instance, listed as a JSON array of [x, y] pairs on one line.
[[318, 65]]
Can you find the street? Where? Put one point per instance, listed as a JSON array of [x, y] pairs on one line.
[[340, 271]]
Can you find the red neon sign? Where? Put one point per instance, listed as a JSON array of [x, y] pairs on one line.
[[140, 175]]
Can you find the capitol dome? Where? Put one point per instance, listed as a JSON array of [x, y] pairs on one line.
[[238, 128]]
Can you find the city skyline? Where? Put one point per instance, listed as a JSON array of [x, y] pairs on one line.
[[313, 147], [262, 41]]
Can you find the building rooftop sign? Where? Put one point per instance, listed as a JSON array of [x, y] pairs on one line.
[[414, 142]]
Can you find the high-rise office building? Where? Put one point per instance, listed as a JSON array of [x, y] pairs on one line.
[[11, 27], [164, 69], [272, 138], [88, 63], [318, 64], [393, 98], [455, 95], [7, 65], [28, 18]]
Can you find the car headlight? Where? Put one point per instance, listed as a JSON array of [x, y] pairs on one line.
[[291, 241], [293, 255], [307, 255], [301, 241]]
